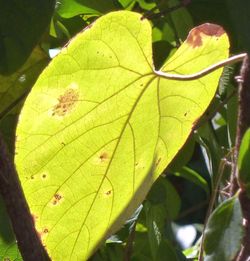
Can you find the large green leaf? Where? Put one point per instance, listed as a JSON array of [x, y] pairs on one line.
[[100, 125]]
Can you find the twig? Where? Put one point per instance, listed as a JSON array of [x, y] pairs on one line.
[[195, 76], [243, 122], [28, 241], [244, 253], [242, 125]]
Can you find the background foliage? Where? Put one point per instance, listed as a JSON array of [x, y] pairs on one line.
[[180, 197]]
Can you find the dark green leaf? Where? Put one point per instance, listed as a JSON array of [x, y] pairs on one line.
[[8, 245], [70, 8], [193, 176], [22, 24], [244, 162], [168, 252], [223, 233], [240, 16]]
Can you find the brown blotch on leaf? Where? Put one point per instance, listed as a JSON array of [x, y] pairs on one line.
[[103, 156], [107, 193], [65, 102], [6, 259], [195, 36], [57, 197]]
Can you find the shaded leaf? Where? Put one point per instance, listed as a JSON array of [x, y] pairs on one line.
[[168, 252], [70, 8], [13, 90], [22, 24], [193, 176], [8, 245], [100, 125], [182, 20], [244, 162], [183, 156], [224, 232]]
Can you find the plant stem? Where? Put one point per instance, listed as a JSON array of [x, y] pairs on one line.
[[28, 240], [242, 125], [195, 76], [243, 122]]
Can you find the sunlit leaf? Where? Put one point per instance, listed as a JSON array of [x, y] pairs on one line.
[[100, 125]]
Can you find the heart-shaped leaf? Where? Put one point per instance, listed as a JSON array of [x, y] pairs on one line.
[[100, 125]]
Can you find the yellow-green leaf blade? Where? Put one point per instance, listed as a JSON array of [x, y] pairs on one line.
[[93, 129]]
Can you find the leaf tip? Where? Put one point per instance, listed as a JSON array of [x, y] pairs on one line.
[[196, 35]]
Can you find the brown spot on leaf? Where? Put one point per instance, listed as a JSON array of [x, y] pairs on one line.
[[44, 176], [107, 193], [6, 259], [65, 102], [57, 197], [196, 35], [44, 232], [103, 156]]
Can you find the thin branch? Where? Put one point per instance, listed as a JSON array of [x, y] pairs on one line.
[[242, 125], [28, 240], [204, 72], [243, 116]]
